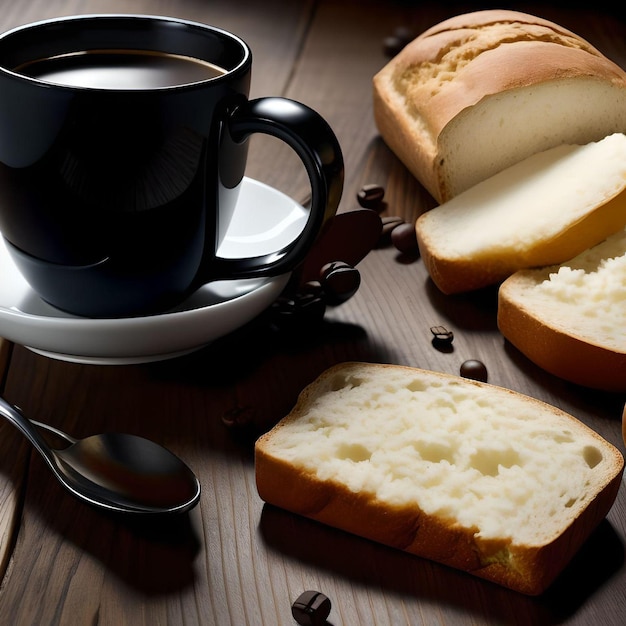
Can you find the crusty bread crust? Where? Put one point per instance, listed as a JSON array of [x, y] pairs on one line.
[[553, 343], [476, 19], [529, 569], [423, 95]]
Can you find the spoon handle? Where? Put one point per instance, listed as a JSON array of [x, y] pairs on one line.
[[55, 431], [13, 415]]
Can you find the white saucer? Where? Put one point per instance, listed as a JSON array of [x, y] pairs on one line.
[[212, 312]]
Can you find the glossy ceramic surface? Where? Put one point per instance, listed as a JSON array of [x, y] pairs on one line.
[[211, 312]]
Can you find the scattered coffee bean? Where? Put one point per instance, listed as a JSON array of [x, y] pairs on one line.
[[371, 196], [305, 305], [339, 281], [474, 369], [311, 608], [404, 239], [442, 338], [441, 333], [350, 237], [389, 223]]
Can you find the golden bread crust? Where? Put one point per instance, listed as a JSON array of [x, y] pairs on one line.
[[557, 348]]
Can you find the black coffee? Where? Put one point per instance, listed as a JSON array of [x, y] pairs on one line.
[[121, 69]]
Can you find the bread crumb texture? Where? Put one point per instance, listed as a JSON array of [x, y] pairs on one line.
[[590, 289], [494, 461]]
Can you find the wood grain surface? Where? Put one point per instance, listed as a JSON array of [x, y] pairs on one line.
[[233, 560]]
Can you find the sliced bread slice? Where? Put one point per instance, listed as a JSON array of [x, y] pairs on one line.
[[570, 319], [474, 476], [541, 211]]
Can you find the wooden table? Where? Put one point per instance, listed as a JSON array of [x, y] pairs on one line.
[[234, 560]]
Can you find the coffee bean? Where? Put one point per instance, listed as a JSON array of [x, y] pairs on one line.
[[404, 239], [371, 196], [441, 333], [389, 223], [442, 338], [474, 369], [311, 608], [340, 282], [351, 236]]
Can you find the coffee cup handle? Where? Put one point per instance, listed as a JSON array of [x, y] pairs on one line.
[[310, 136]]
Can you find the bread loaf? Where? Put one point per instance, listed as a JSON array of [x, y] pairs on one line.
[[570, 319], [472, 475], [540, 211], [481, 91]]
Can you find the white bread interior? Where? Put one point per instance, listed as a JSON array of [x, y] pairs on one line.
[[483, 90], [570, 319], [540, 211], [472, 475]]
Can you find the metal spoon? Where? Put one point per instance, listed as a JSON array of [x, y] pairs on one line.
[[115, 471]]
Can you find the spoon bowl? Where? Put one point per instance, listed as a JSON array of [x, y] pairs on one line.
[[115, 471]]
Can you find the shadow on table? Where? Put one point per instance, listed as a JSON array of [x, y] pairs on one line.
[[374, 565], [150, 553], [230, 359], [473, 311]]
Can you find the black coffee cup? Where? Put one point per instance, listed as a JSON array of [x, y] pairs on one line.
[[123, 144]]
